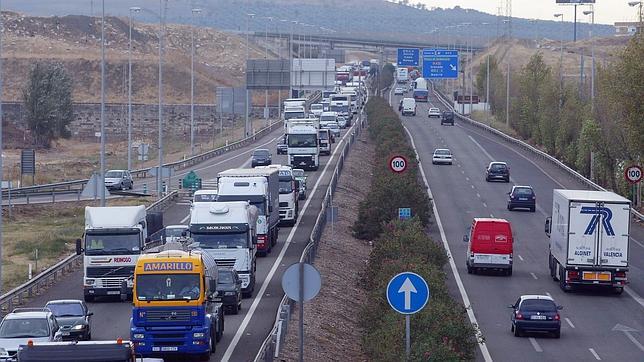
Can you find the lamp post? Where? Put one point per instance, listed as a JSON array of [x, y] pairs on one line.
[[560, 15], [279, 93], [192, 80], [134, 9], [162, 10], [102, 157], [592, 51], [266, 111], [1, 145], [638, 3], [248, 106]]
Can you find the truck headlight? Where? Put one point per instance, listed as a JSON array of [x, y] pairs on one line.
[[198, 335], [90, 282], [138, 336]]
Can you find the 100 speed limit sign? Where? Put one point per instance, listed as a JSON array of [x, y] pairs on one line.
[[398, 164], [633, 174]]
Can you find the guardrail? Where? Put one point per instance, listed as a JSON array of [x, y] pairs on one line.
[[572, 173], [270, 349], [45, 279]]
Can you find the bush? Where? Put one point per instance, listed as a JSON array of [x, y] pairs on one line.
[[440, 330]]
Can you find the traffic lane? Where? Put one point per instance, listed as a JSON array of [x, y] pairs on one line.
[[536, 247]]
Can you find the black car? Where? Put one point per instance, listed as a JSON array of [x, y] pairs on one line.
[[229, 291], [73, 317], [497, 171], [447, 118], [282, 147], [535, 313], [261, 157], [522, 197]]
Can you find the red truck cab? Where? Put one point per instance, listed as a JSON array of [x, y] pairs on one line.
[[489, 245]]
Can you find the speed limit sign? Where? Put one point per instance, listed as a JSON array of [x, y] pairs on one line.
[[398, 164], [633, 174]]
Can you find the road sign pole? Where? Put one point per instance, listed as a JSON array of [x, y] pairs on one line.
[[301, 306], [407, 337]]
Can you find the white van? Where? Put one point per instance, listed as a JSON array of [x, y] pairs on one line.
[[408, 106]]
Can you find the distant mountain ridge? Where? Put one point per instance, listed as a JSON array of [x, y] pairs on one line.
[[373, 17]]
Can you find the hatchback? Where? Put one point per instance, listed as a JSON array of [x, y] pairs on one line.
[[497, 171], [229, 289], [261, 157], [118, 180], [73, 318], [522, 197], [399, 91], [535, 313], [434, 112], [442, 155]]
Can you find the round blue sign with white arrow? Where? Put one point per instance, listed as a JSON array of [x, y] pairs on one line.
[[407, 293]]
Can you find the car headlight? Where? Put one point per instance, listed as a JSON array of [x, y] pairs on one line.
[[138, 336], [79, 327], [198, 335]]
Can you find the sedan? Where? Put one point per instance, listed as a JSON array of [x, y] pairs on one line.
[[434, 112], [399, 91], [73, 318], [282, 148], [522, 197], [535, 313], [442, 155], [261, 157], [118, 180], [229, 289], [497, 171]]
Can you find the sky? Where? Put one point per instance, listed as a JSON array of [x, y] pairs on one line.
[[606, 11]]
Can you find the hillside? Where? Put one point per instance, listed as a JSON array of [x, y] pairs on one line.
[[74, 41]]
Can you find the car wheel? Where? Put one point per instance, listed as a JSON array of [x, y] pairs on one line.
[[507, 180], [89, 336], [618, 290], [123, 186], [132, 185], [235, 309], [487, 179], [517, 331], [509, 208], [557, 334]]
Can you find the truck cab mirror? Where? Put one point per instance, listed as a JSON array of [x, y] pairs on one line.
[[184, 233], [548, 226], [212, 286], [79, 247]]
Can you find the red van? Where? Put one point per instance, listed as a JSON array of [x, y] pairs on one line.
[[489, 245]]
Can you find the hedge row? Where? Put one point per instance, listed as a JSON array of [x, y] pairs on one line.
[[440, 332]]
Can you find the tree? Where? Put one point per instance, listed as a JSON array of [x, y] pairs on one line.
[[47, 100], [497, 85], [534, 78]]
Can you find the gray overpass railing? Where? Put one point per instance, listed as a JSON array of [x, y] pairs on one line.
[[572, 173], [45, 279]]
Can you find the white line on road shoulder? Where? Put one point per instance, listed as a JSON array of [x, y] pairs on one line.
[[570, 322], [242, 327], [459, 283], [635, 296], [535, 344], [594, 354], [534, 276]]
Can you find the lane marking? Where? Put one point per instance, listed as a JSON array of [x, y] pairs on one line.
[[478, 195], [520, 257], [185, 218], [637, 242], [472, 186], [484, 204], [535, 345], [534, 276], [570, 322], [594, 354], [276, 264], [635, 296], [492, 215], [467, 178], [459, 283]]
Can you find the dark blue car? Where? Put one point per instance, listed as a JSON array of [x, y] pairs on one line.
[[497, 171], [535, 313], [522, 197]]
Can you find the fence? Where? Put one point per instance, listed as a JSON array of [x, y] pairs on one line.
[[271, 347], [572, 173], [17, 296]]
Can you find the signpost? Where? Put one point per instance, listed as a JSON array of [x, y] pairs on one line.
[[404, 213], [398, 164], [440, 64], [408, 57], [633, 175], [407, 293]]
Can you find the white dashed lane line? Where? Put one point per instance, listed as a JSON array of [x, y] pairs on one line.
[[570, 322], [535, 344], [594, 354], [534, 276], [520, 257]]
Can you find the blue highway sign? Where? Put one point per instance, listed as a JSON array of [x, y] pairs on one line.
[[440, 63], [404, 213], [407, 293], [408, 57]]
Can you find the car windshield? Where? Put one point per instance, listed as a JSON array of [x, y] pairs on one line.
[[167, 287], [66, 309], [332, 126], [316, 107], [442, 152], [323, 136], [221, 240], [298, 173], [498, 167], [113, 174], [117, 243], [175, 232], [24, 328], [538, 305], [225, 277], [261, 153], [302, 140]]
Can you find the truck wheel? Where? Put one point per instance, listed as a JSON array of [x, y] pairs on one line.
[[562, 282], [469, 269], [552, 268], [618, 290]]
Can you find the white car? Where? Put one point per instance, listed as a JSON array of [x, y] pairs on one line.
[[399, 91], [434, 112], [27, 324], [442, 155], [174, 232], [342, 122]]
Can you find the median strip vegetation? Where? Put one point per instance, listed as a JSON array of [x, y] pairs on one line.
[[439, 332]]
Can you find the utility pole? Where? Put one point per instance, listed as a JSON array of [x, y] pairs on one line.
[[507, 100], [560, 15], [1, 145], [266, 111], [574, 26], [162, 11], [102, 161], [248, 100], [192, 81], [487, 90], [133, 9], [591, 12]]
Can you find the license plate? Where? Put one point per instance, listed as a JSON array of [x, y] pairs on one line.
[[65, 333], [169, 349], [538, 317], [601, 276], [523, 198], [113, 292]]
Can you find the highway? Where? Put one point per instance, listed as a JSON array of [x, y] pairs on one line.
[[249, 328], [595, 325]]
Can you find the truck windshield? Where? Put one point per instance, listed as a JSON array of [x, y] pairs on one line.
[[112, 243], [286, 187], [167, 287], [289, 115], [302, 140], [339, 108], [221, 240]]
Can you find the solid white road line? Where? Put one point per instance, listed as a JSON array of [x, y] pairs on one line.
[[594, 354], [534, 276], [535, 345], [570, 322], [459, 283], [258, 297], [492, 216], [185, 219]]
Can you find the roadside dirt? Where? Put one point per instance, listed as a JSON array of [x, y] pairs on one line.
[[331, 324]]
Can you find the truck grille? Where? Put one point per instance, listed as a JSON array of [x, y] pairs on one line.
[[283, 204], [168, 315], [109, 271], [225, 262], [111, 283]]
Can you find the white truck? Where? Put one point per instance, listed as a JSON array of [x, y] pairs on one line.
[[227, 231], [114, 238], [260, 187], [341, 103], [402, 75], [589, 239], [303, 148], [289, 207]]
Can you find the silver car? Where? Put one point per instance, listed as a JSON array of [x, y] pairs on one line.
[[25, 324], [118, 180]]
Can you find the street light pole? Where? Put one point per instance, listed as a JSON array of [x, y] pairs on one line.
[[560, 15], [1, 146], [248, 106], [192, 81], [162, 11], [266, 111], [133, 9], [102, 161], [591, 12]]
